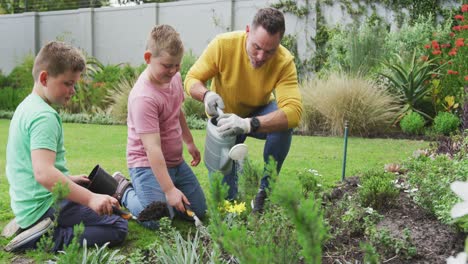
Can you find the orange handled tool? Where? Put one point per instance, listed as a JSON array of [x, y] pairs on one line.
[[192, 214], [123, 214]]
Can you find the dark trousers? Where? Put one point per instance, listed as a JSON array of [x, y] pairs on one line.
[[98, 230]]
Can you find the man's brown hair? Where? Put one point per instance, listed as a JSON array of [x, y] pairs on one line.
[[164, 38], [271, 19], [56, 58]]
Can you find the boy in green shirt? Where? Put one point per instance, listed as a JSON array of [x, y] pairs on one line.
[[36, 161]]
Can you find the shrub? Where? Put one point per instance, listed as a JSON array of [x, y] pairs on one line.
[[377, 190], [357, 50], [21, 75], [432, 178], [192, 107], [410, 81], [446, 123], [187, 61], [367, 106], [412, 123], [118, 109], [10, 98]]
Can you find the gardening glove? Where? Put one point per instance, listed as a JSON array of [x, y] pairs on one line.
[[211, 101], [232, 125]]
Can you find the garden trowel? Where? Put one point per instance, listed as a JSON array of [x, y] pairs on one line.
[[192, 214]]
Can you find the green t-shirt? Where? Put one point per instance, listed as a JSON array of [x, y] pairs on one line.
[[35, 125]]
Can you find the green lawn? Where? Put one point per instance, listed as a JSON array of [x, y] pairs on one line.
[[88, 145]]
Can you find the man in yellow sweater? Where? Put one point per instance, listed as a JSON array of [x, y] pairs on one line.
[[254, 81]]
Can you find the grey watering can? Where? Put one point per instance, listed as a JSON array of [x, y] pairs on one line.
[[221, 151]]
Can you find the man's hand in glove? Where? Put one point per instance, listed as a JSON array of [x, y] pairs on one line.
[[211, 101], [232, 125]]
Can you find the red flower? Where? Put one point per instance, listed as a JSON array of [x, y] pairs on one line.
[[452, 34], [459, 42], [450, 62], [436, 52], [464, 8], [435, 45], [452, 72], [459, 17], [466, 78], [427, 46], [424, 58], [457, 28], [464, 27], [453, 52]]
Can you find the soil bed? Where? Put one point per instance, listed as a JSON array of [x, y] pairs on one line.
[[433, 240]]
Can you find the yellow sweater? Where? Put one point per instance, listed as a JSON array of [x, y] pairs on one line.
[[242, 87]]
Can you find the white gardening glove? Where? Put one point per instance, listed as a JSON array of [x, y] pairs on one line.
[[211, 101], [232, 125]]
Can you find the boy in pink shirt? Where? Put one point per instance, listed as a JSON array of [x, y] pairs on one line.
[[156, 131]]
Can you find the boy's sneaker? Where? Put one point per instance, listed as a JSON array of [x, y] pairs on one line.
[[30, 234], [259, 202], [12, 228]]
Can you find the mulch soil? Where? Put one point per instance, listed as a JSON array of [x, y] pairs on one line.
[[433, 240]]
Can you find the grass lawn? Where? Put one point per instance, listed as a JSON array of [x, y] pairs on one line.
[[88, 145]]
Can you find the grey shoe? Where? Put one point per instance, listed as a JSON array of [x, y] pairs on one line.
[[12, 228], [30, 234], [259, 202]]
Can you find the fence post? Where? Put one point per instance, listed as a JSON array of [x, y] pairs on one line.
[[343, 172]]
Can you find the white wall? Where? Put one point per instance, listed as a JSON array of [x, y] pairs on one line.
[[118, 34]]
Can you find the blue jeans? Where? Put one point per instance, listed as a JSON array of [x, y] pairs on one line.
[[146, 189], [277, 145], [98, 230]]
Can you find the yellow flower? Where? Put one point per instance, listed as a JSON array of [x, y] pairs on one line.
[[234, 207]]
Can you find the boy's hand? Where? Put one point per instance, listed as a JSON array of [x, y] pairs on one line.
[[195, 153], [176, 198], [80, 179], [102, 203]]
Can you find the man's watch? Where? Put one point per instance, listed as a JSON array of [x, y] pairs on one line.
[[254, 124]]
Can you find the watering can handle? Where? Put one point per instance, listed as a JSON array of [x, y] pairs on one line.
[[220, 111]]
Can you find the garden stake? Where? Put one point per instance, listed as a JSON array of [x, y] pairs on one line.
[[343, 172]]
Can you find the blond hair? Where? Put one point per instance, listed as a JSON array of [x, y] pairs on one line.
[[164, 38], [56, 58]]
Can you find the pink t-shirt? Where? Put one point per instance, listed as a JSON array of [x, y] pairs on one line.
[[155, 109]]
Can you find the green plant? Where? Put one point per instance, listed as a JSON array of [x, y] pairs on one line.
[[370, 254], [377, 190], [192, 107], [10, 98], [186, 251], [431, 178], [187, 61], [446, 123], [21, 75], [412, 123], [447, 48], [410, 81], [311, 187], [119, 96], [368, 107], [249, 179], [390, 245]]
